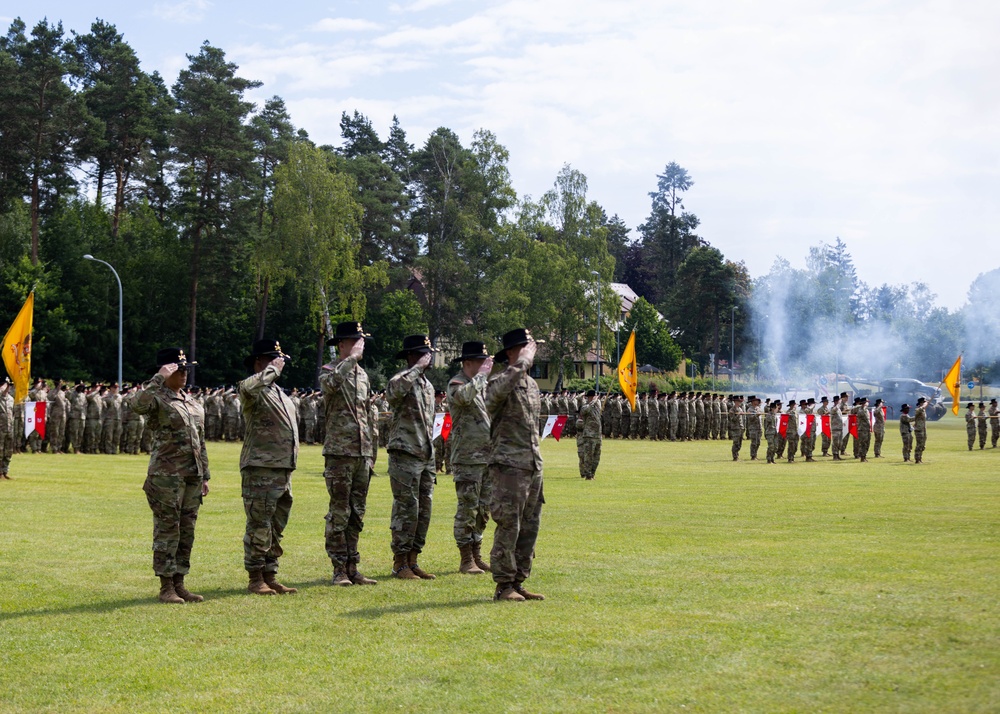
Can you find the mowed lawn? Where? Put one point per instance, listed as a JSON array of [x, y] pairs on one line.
[[676, 581]]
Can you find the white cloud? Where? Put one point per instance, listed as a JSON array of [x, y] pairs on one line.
[[345, 24], [184, 12]]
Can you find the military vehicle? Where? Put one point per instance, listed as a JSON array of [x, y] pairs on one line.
[[897, 391]]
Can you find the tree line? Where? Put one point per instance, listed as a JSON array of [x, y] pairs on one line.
[[227, 222]]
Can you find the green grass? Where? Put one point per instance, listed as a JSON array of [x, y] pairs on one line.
[[676, 581]]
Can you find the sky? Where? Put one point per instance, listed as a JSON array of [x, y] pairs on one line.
[[800, 121]]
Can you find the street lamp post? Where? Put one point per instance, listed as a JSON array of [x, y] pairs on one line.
[[90, 257], [597, 377]]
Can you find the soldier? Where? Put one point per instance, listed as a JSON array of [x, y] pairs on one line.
[[845, 410], [269, 455], [878, 427], [310, 416], [626, 417], [905, 431], [77, 418], [132, 424], [737, 424], [824, 410], [864, 429], [515, 466], [92, 426], [39, 393], [792, 431], [753, 426], [970, 425], [55, 418], [469, 442], [588, 439], [411, 456], [673, 419], [920, 430], [682, 417], [808, 441], [348, 451], [771, 431], [213, 415], [994, 415], [616, 416], [6, 428], [981, 425], [177, 479], [111, 420], [439, 445], [836, 428]]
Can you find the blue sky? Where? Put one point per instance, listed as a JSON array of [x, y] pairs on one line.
[[799, 121]]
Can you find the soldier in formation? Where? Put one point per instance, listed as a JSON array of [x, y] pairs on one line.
[[588, 440], [6, 428]]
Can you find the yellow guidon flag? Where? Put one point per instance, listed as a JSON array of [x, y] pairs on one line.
[[628, 371], [17, 349], [953, 383]]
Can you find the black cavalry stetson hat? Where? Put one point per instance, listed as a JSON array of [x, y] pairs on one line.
[[347, 331], [415, 343], [172, 355], [514, 338], [472, 350], [264, 348]]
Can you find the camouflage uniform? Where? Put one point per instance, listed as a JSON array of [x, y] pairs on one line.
[[736, 426], [920, 433], [981, 426], [269, 455], [672, 417], [792, 433], [906, 433], [213, 417], [824, 410], [808, 440], [6, 431], [177, 469], [753, 429], [994, 414], [878, 430], [616, 417], [55, 420], [970, 426], [470, 449], [349, 454], [836, 429], [411, 458], [588, 441], [34, 441], [230, 416], [111, 423], [92, 427], [771, 434], [77, 421], [845, 410], [864, 431], [515, 467]]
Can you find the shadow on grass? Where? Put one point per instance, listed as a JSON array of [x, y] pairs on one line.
[[371, 613], [111, 606]]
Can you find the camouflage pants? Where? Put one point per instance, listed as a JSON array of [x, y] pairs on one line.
[[982, 433], [230, 428], [863, 441], [907, 445], [34, 442], [879, 435], [91, 437], [146, 440], [347, 480], [174, 503], [56, 433], [807, 446], [267, 502], [309, 435], [754, 443], [516, 507], [442, 455], [844, 440], [6, 451], [412, 482], [970, 432], [616, 427], [654, 429], [772, 447], [472, 513], [825, 444], [133, 430], [737, 444], [672, 429], [836, 439], [920, 439], [994, 432], [589, 453], [792, 440], [74, 435], [211, 427], [111, 434]]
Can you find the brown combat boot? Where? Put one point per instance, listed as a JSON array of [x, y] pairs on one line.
[[506, 591], [340, 576], [257, 586], [477, 557], [527, 594], [183, 592], [357, 577], [417, 570], [468, 565], [272, 582], [401, 567], [167, 592]]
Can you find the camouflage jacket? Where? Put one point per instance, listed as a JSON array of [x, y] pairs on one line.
[[411, 398], [770, 424], [736, 422], [836, 421], [345, 405], [77, 405], [272, 433], [753, 420], [94, 406], [920, 420], [112, 408], [513, 405], [904, 425], [177, 422], [864, 421], [470, 424], [58, 404], [590, 421], [7, 414]]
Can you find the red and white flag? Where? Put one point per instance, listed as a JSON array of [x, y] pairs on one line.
[[554, 425], [827, 431], [783, 425], [34, 418], [442, 425], [803, 425], [852, 425]]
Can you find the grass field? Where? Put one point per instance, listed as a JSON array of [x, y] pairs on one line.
[[676, 581]]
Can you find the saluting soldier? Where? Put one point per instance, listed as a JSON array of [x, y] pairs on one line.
[[878, 427], [864, 429], [753, 426], [970, 425], [981, 425], [111, 420], [792, 432], [588, 439], [737, 424], [348, 451], [177, 478], [836, 428], [270, 453], [515, 466], [906, 431], [55, 418], [920, 430], [824, 410], [6, 428], [771, 431], [994, 414], [411, 456], [470, 450]]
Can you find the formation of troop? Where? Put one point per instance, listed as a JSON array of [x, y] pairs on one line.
[[979, 420], [493, 449]]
